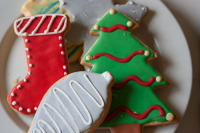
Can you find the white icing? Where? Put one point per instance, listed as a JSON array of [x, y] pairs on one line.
[[107, 76], [20, 108], [35, 108], [51, 118], [61, 22], [60, 37], [28, 56], [20, 24], [134, 11], [34, 32], [14, 103], [98, 19], [12, 94], [64, 67], [63, 3], [143, 8], [62, 52], [50, 23], [27, 49], [28, 110], [25, 80], [26, 40], [27, 25], [43, 131], [30, 65], [19, 86], [54, 115], [25, 34], [101, 106], [61, 45], [65, 73], [131, 2], [29, 73], [39, 24]]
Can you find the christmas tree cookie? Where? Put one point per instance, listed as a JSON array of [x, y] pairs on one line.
[[46, 59], [35, 7], [134, 103], [85, 13]]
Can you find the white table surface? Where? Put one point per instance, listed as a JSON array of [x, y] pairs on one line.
[[187, 13]]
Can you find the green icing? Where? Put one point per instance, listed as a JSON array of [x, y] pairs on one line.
[[134, 96]]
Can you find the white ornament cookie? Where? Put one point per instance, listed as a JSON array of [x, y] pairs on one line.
[[77, 103]]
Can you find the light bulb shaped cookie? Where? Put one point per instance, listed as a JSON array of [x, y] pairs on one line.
[[78, 102]]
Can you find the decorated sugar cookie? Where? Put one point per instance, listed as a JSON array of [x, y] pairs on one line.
[[75, 51], [78, 103], [44, 42], [134, 103], [35, 7], [84, 14]]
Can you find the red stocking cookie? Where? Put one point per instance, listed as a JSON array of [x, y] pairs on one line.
[[46, 59]]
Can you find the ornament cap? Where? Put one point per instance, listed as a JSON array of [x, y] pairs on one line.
[[107, 76]]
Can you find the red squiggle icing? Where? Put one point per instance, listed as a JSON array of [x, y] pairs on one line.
[[136, 79], [121, 60], [114, 27], [136, 116]]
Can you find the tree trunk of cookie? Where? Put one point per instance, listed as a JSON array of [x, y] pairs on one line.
[[127, 128]]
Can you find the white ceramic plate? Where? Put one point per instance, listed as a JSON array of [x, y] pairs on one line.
[[159, 30]]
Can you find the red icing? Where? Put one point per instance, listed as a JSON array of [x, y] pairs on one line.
[[136, 79], [123, 60], [43, 26], [47, 68], [136, 116], [114, 27]]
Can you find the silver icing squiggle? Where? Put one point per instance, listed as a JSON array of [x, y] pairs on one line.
[[86, 13], [73, 105]]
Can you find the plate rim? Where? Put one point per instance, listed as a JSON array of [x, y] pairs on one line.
[[182, 34]]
